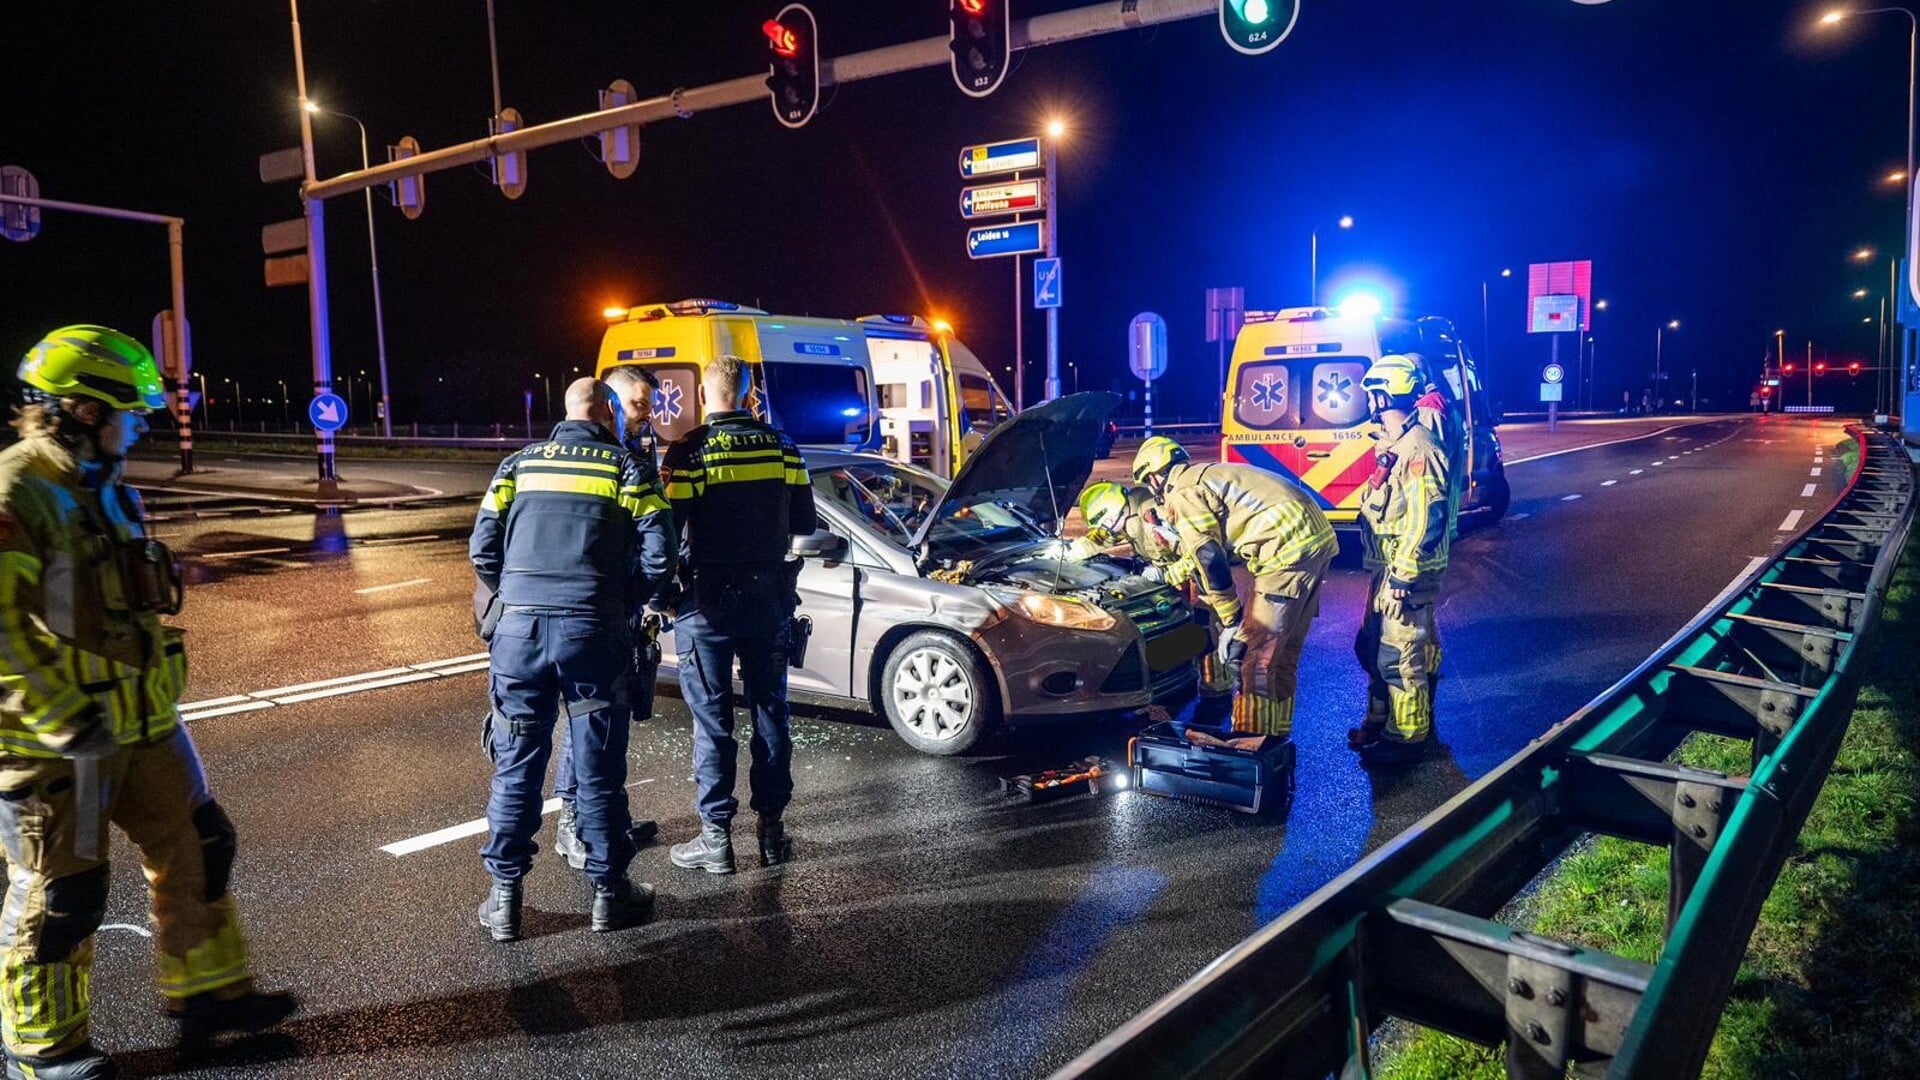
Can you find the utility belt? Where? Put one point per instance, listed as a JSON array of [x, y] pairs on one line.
[[723, 587]]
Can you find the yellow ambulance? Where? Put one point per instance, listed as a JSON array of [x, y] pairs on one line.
[[1294, 405], [937, 400], [811, 377]]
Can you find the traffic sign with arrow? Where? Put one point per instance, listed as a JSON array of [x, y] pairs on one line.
[[991, 158], [993, 200], [1019, 238], [327, 412]]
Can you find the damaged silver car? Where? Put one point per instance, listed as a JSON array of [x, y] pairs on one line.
[[948, 608]]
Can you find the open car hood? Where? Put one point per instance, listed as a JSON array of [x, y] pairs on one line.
[[1059, 439]]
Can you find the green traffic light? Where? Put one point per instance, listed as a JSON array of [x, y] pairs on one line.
[[1256, 11]]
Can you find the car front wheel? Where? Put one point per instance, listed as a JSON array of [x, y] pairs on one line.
[[938, 694]]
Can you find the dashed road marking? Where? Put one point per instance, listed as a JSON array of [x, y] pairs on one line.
[[1793, 520], [1518, 517], [395, 585], [1608, 483], [465, 828], [1807, 492], [1635, 472], [1569, 498], [1815, 472], [244, 554]]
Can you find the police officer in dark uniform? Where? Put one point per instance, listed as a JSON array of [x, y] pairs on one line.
[[573, 539], [633, 388], [739, 490]]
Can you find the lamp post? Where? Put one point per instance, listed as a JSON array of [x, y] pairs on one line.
[[1056, 129], [1593, 323], [1313, 259], [548, 383], [286, 413], [373, 257], [206, 417], [1486, 328], [1659, 388]]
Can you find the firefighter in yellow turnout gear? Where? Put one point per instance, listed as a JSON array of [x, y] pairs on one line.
[[1228, 512], [1119, 514], [90, 732], [1406, 524]]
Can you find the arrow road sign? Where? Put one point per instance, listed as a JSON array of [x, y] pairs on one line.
[[1046, 283], [1019, 238], [992, 200], [1001, 157], [327, 412]]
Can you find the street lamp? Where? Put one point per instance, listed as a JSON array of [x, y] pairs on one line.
[[373, 257], [1859, 294], [1313, 259], [286, 414], [1659, 387], [1486, 340], [542, 376], [205, 417], [1863, 255]]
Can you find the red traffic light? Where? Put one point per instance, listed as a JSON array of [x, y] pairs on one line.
[[1854, 368], [1820, 368], [1766, 391], [1786, 369], [973, 7], [781, 38]]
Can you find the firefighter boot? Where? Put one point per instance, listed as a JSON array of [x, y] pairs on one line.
[[711, 851], [566, 839], [776, 846], [84, 1062], [1387, 753], [621, 904], [500, 912], [202, 1016], [1368, 732]]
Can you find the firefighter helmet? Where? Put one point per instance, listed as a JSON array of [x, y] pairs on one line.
[[1156, 456], [1104, 506], [94, 362], [1396, 375]]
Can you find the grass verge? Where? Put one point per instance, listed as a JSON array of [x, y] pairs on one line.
[[1830, 986]]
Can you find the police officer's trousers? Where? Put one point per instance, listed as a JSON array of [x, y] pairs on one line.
[[546, 663], [157, 794], [1275, 629], [1399, 647], [640, 680], [751, 628]]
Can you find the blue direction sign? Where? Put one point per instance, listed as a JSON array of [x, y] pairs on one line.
[[1001, 157], [327, 412], [1046, 283], [1019, 238]]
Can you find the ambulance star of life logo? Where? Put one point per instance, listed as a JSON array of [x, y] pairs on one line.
[[1334, 391], [667, 402], [1269, 394]]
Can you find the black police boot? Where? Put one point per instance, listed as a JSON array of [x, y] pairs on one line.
[[203, 1016], [566, 839], [711, 851], [500, 911], [620, 905], [776, 846], [84, 1062]]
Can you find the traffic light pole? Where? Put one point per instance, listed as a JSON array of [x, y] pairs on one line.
[[1053, 252], [315, 205]]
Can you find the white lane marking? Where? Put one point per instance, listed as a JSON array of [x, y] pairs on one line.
[[1635, 472], [395, 585], [1610, 442], [244, 554], [1815, 472], [1656, 463], [324, 688], [1608, 483], [1807, 492], [1518, 517], [1793, 520], [1569, 498], [451, 833]]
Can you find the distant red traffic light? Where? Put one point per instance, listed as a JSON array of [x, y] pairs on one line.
[[973, 7], [1854, 368], [1820, 368], [1786, 369], [781, 38]]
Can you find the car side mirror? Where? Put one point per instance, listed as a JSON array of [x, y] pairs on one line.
[[820, 544]]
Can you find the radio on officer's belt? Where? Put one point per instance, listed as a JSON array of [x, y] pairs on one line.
[[799, 632]]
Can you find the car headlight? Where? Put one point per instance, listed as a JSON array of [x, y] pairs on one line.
[[1065, 612]]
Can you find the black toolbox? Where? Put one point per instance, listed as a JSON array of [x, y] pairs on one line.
[[1250, 780]]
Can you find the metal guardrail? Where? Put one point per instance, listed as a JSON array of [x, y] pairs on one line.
[[1407, 932]]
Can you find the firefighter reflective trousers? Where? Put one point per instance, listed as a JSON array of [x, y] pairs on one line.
[[546, 662], [1275, 629], [157, 794], [1399, 647]]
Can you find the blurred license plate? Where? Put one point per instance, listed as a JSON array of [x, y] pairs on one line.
[[1176, 647]]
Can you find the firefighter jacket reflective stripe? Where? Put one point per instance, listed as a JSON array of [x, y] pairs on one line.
[[1405, 509], [1448, 424], [72, 648], [1148, 533], [571, 523], [739, 488], [1250, 514]]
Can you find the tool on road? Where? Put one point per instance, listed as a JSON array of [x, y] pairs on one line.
[[1087, 776], [1249, 773]]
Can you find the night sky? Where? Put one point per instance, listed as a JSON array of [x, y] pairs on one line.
[[1718, 161]]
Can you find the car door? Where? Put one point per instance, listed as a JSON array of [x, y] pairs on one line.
[[829, 603]]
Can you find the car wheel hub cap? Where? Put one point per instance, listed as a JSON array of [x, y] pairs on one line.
[[933, 694]]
